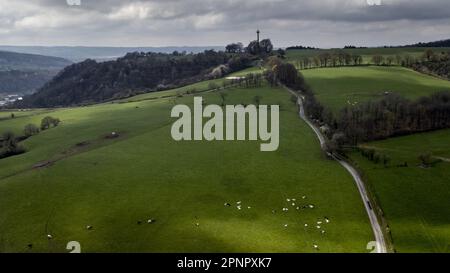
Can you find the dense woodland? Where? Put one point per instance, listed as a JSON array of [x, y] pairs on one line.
[[25, 73], [91, 82], [23, 82], [393, 116]]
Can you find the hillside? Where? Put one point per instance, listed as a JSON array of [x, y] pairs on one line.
[[116, 185], [441, 43], [337, 88], [23, 82], [411, 194], [25, 73], [91, 81], [30, 62]]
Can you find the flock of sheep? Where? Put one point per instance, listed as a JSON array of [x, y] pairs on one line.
[[292, 204]]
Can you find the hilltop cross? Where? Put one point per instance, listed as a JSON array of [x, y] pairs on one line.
[[257, 35]]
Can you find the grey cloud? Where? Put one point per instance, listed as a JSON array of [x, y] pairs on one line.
[[170, 22]]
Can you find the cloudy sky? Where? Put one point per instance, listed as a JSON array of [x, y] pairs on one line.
[[322, 23]]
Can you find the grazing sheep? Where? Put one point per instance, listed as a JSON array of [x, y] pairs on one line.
[[306, 225], [227, 205], [151, 221], [316, 246], [286, 225], [49, 237], [89, 227]]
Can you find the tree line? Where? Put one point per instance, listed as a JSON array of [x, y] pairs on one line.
[[392, 116], [329, 59], [431, 61]]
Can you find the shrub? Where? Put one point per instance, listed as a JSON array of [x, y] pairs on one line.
[[426, 159], [30, 130], [10, 145], [48, 122]]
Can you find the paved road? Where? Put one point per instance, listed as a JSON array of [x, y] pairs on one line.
[[376, 227]]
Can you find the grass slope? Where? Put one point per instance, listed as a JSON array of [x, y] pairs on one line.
[[414, 199], [337, 87], [143, 174]]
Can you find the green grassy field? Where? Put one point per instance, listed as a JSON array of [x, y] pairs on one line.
[[111, 184], [6, 114], [415, 199], [339, 87], [198, 87], [366, 53]]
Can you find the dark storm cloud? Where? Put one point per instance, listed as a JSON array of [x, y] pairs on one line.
[[164, 22]]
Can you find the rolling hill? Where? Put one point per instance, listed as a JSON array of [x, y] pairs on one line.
[[339, 87], [30, 62], [117, 185], [92, 82], [25, 73]]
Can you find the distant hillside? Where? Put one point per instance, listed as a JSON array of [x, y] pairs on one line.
[[20, 61], [92, 82], [25, 73], [24, 82], [81, 53], [442, 43]]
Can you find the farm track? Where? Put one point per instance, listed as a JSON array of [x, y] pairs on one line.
[[376, 227]]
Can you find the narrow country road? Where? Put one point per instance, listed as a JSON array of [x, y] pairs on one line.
[[376, 227]]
